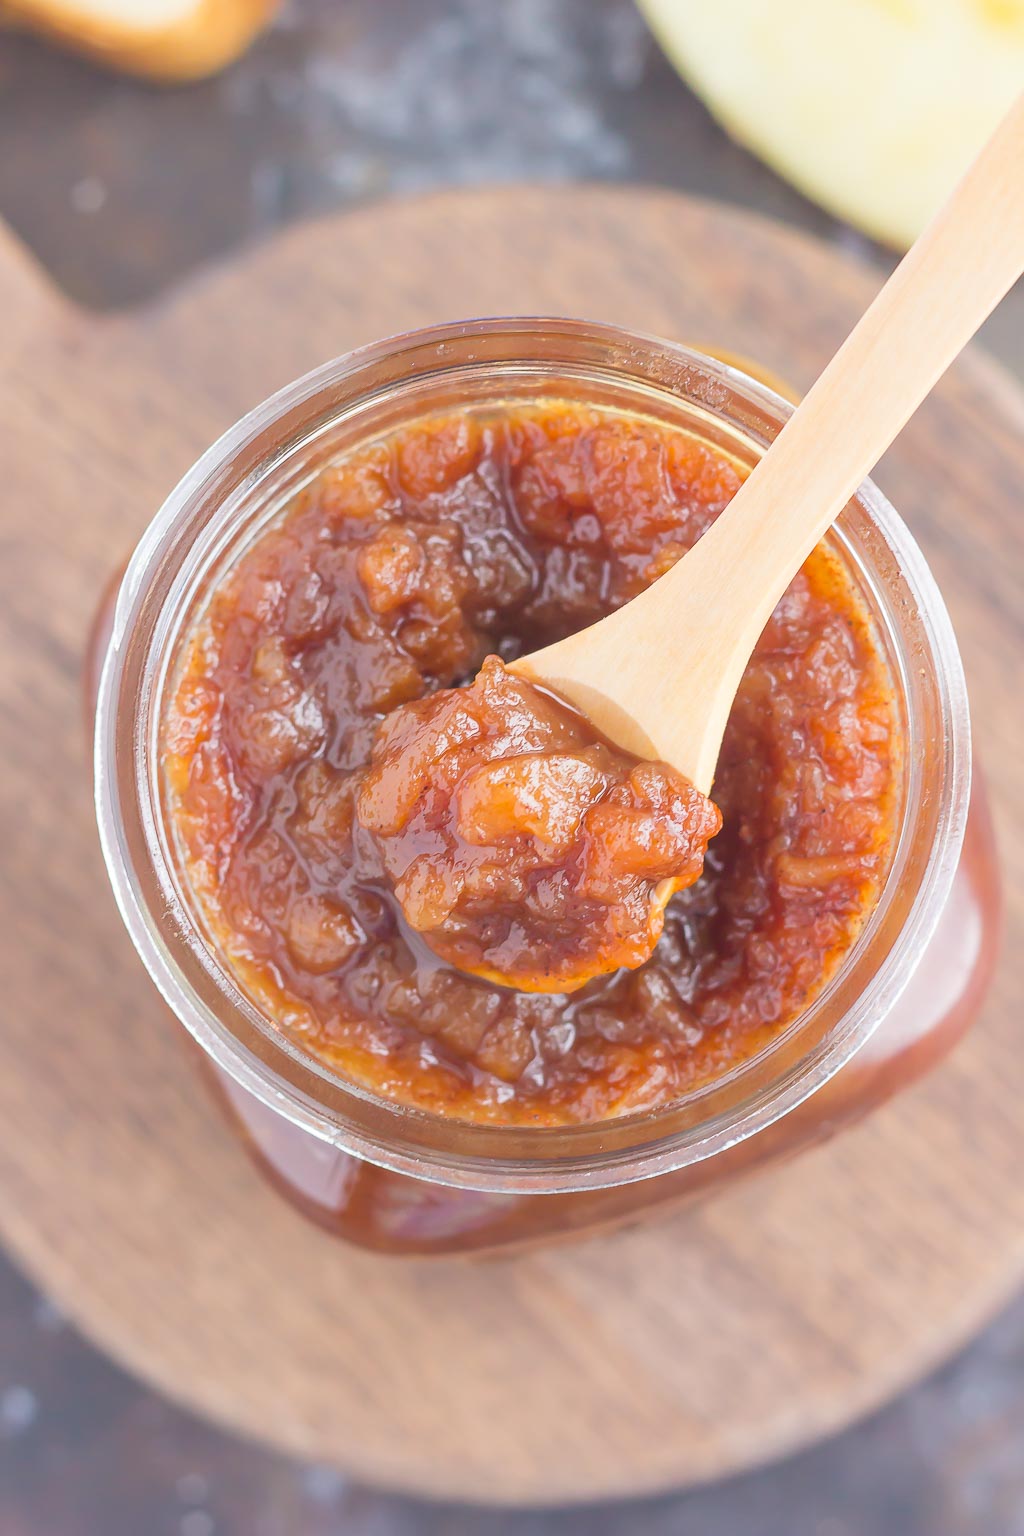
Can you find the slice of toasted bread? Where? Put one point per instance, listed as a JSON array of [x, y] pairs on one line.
[[161, 39]]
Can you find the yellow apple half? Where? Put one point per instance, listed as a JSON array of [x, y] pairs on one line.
[[872, 108]]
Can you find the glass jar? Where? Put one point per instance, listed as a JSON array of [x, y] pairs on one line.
[[398, 1179]]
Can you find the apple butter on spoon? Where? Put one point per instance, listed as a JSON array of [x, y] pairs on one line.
[[522, 847]]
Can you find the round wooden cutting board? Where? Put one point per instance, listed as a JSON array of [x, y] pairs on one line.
[[676, 1352]]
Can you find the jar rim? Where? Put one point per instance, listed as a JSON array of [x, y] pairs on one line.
[[264, 1060]]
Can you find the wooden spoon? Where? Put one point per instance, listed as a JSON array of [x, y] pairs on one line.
[[658, 676]]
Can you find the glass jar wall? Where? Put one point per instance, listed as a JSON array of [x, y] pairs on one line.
[[401, 1181]]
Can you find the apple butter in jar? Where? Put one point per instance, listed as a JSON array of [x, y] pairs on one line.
[[361, 825]]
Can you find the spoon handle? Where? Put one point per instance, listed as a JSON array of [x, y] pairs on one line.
[[945, 287], [677, 652]]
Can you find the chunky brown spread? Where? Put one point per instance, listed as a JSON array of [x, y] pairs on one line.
[[345, 866], [518, 843]]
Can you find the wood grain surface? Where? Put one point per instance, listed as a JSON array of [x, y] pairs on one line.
[[703, 1343]]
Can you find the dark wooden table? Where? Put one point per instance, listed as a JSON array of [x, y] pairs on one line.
[[121, 190]]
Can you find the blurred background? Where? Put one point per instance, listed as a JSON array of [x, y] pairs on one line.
[[123, 185]]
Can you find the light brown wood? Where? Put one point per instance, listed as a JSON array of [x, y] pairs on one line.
[[725, 1335], [701, 621]]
